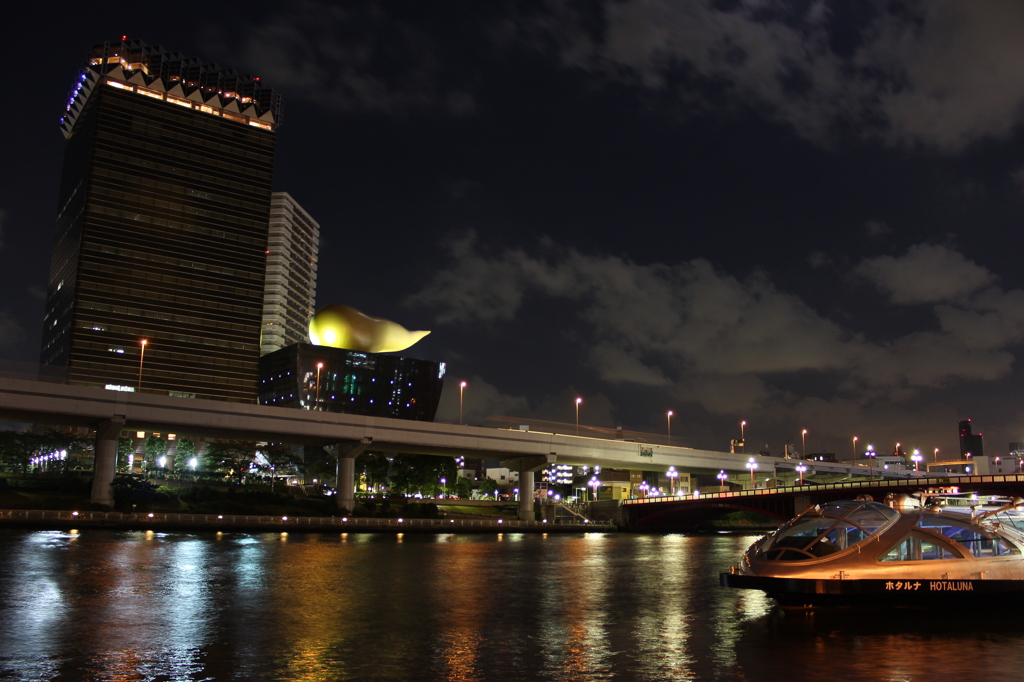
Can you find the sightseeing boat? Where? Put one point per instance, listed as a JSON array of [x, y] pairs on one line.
[[864, 554]]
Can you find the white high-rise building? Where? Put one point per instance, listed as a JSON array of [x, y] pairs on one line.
[[290, 294]]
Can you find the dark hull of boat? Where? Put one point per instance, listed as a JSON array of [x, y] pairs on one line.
[[803, 593]]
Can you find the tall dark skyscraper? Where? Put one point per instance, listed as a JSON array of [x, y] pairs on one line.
[[971, 444], [162, 225]]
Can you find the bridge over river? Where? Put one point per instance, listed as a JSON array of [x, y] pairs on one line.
[[111, 412], [781, 504]]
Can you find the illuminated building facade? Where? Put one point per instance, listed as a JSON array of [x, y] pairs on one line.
[[309, 377], [161, 232], [971, 444], [290, 294]]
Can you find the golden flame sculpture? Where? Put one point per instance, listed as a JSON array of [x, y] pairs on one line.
[[342, 326]]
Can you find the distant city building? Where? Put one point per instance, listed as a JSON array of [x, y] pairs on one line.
[[290, 294], [311, 377], [971, 444], [161, 232], [822, 457]]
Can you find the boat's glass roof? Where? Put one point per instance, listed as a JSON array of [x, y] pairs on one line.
[[976, 540], [824, 530]]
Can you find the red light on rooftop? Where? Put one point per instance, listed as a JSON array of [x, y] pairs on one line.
[[124, 37]]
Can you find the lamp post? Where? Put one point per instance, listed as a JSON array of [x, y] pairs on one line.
[[936, 457], [142, 354], [442, 488], [595, 484], [669, 417], [578, 401], [752, 465], [917, 460], [870, 454], [319, 366], [855, 448], [803, 444], [743, 439], [721, 476], [672, 474], [801, 469], [462, 387]]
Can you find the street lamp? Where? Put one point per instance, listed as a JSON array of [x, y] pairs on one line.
[[672, 474], [721, 476], [743, 440], [801, 469], [669, 416], [142, 355], [319, 366], [917, 460], [643, 487], [578, 401], [443, 481], [803, 444], [595, 484], [936, 459], [752, 465], [462, 387], [870, 454], [855, 448]]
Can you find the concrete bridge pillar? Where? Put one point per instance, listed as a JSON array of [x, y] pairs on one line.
[[346, 485], [105, 461], [526, 466], [526, 495]]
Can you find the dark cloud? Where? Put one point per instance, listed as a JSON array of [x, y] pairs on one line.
[[691, 324], [926, 274]]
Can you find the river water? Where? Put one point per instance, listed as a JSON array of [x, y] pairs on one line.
[[122, 605]]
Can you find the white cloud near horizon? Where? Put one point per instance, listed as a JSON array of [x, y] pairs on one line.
[[690, 325]]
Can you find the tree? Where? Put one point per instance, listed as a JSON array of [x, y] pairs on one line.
[[374, 466], [125, 450], [275, 458], [421, 473], [489, 487], [21, 450], [463, 488], [234, 458], [14, 451], [155, 449], [186, 451], [320, 464]]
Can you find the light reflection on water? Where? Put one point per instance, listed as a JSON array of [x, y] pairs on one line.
[[111, 605]]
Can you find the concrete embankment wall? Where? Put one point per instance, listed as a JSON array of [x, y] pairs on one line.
[[65, 520]]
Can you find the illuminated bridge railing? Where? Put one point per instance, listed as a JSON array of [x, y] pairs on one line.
[[157, 521], [958, 481]]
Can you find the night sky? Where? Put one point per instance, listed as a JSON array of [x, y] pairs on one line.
[[805, 215]]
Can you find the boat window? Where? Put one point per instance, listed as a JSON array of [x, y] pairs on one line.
[[919, 547], [829, 529], [979, 542]]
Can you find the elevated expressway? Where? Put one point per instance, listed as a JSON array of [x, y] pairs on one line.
[[110, 412]]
